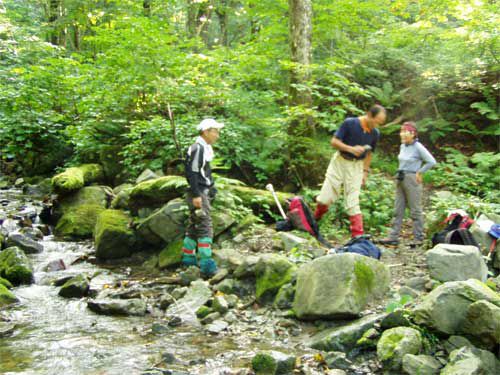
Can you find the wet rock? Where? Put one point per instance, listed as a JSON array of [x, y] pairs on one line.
[[171, 255], [471, 361], [292, 241], [273, 362], [32, 232], [217, 326], [272, 272], [395, 343], [192, 273], [417, 283], [230, 317], [6, 296], [337, 360], [113, 236], [165, 301], [76, 177], [285, 296], [118, 306], [483, 322], [210, 318], [448, 262], [228, 258], [445, 308], [157, 191], [6, 328], [25, 243], [79, 223], [197, 295], [343, 338], [160, 329], [219, 276], [339, 286], [122, 197], [6, 283], [174, 321], [203, 311], [9, 226], [38, 190], [420, 364], [226, 286], [15, 266], [220, 304], [232, 300], [178, 293], [75, 287]]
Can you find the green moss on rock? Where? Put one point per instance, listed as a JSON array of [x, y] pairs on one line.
[[78, 223], [6, 296], [155, 192], [15, 266], [272, 272], [203, 311], [113, 236], [6, 283], [171, 255], [75, 178]]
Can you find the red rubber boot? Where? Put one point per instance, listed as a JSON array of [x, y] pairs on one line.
[[321, 209], [356, 226]]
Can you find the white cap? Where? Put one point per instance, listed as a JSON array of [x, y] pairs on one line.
[[209, 123]]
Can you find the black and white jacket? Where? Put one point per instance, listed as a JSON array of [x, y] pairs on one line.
[[198, 171]]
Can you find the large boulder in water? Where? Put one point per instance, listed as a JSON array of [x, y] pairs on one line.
[[445, 308], [28, 245], [76, 287], [447, 262], [198, 294], [78, 223], [89, 195], [6, 296], [115, 306], [113, 236], [15, 266], [339, 286], [76, 177]]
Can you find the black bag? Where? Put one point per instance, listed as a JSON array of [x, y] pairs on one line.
[[455, 233]]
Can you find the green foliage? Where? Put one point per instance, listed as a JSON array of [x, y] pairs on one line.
[[403, 301], [478, 174]]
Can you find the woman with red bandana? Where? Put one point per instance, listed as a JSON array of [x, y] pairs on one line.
[[414, 160]]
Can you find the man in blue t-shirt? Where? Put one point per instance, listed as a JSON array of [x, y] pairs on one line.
[[355, 141]]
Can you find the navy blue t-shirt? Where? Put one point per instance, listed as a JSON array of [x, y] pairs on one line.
[[351, 133]]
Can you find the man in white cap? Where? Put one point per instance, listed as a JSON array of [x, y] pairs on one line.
[[201, 192]]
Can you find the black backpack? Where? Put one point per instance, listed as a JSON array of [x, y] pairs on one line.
[[455, 233]]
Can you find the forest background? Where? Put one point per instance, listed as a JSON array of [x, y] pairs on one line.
[[123, 83]]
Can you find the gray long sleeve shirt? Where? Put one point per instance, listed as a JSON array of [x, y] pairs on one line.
[[412, 156]]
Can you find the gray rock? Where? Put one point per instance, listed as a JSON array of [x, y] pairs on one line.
[[420, 364], [232, 300], [55, 265], [230, 317], [395, 343], [197, 295], [210, 318], [111, 306], [6, 329], [285, 296], [75, 287], [31, 232], [396, 318], [339, 286], [483, 322], [471, 361], [166, 224], [369, 339], [189, 275], [247, 267], [15, 266], [445, 308], [178, 293], [456, 342], [343, 338], [273, 362], [217, 326], [220, 305], [226, 286], [146, 175], [28, 245], [228, 258], [291, 241], [482, 237], [165, 301], [272, 272], [448, 262], [406, 290], [417, 283]]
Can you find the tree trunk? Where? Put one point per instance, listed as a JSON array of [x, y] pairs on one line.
[[146, 4], [53, 18], [222, 14], [301, 126]]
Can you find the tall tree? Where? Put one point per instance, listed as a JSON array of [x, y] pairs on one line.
[[53, 16], [301, 124]]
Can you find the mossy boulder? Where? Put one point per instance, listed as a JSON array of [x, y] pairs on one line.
[[88, 195], [395, 343], [15, 266], [6, 296], [122, 197], [76, 287], [272, 272], [421, 364], [284, 298], [445, 308], [483, 322], [113, 236], [273, 363], [339, 286], [467, 361], [78, 223], [171, 255], [156, 192], [75, 178]]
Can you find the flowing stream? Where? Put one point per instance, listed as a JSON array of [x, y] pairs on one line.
[[55, 335]]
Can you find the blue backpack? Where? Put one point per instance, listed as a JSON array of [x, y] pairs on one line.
[[361, 245]]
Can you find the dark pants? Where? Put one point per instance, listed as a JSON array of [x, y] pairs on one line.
[[200, 222]]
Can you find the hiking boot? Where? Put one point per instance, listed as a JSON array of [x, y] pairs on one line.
[[388, 241]]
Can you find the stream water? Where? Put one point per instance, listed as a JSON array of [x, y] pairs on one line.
[[55, 335]]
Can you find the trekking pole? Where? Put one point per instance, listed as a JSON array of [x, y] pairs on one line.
[[271, 189]]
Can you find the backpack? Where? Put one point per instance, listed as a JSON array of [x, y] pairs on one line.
[[361, 245], [299, 216], [456, 232]]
